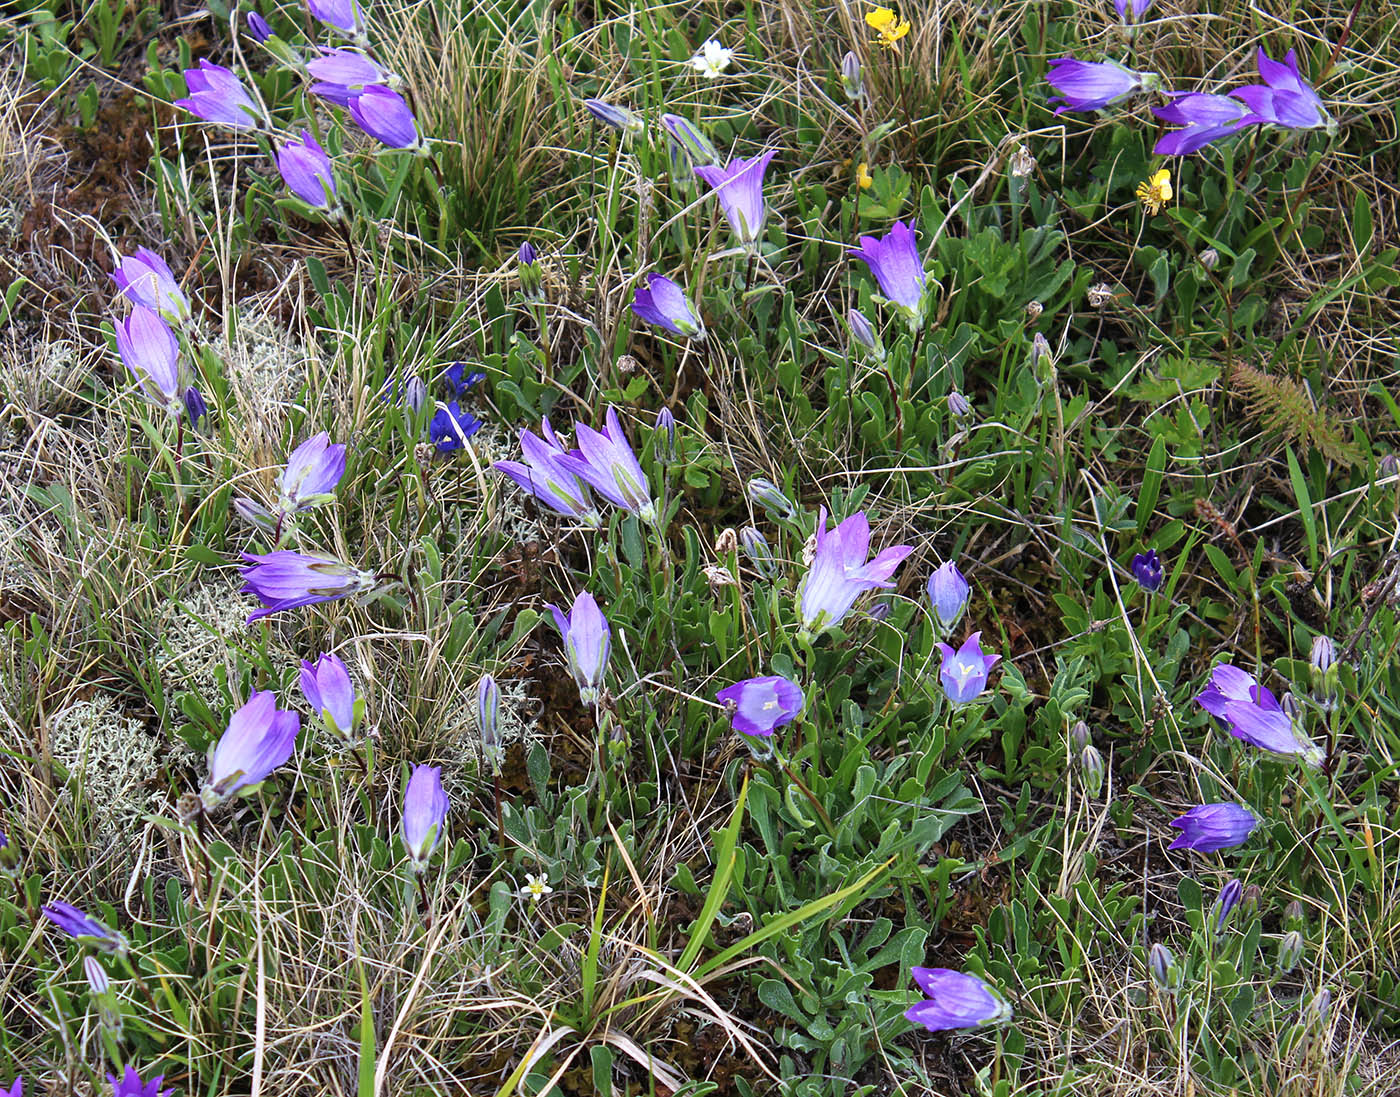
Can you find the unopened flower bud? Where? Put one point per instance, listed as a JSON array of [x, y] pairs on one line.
[[769, 496], [619, 118], [1226, 902], [760, 553], [1390, 465], [666, 434], [1079, 737], [488, 721], [1210, 258], [1249, 901], [1324, 672], [528, 268], [1317, 1011], [864, 334], [1163, 967], [197, 410], [958, 405], [97, 979], [1091, 762], [694, 144], [879, 611], [1290, 951], [852, 81], [1042, 358], [415, 394], [1291, 706], [1293, 915]]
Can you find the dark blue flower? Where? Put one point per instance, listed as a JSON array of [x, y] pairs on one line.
[[1147, 570], [451, 427], [1210, 827], [456, 375]]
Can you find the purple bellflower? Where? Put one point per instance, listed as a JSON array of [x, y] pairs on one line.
[[451, 426], [306, 169], [605, 461], [739, 185], [1213, 826], [341, 73], [217, 95], [619, 118], [1254, 714], [964, 672], [313, 470], [84, 928], [258, 27], [948, 591], [287, 580], [1285, 98], [895, 262], [840, 574], [1130, 11], [665, 304], [330, 693], [1225, 903], [196, 409], [1147, 570], [342, 15], [259, 738], [424, 814], [587, 644], [955, 1000], [382, 113], [1093, 85], [547, 476], [130, 1085], [151, 352], [457, 376], [693, 144], [15, 1089], [144, 279], [1206, 118], [758, 705]]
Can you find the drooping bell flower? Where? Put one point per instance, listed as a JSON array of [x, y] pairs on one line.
[[307, 171], [1147, 570], [840, 573], [1285, 98], [383, 114], [330, 693], [341, 74], [695, 146], [549, 478], [758, 705], [259, 738], [313, 470], [1130, 11], [739, 185], [425, 809], [605, 461], [451, 426], [130, 1085], [1211, 827], [948, 592], [258, 28], [283, 580], [15, 1089], [1205, 118], [895, 262], [151, 352], [666, 305], [84, 928], [342, 15], [1093, 85], [217, 95], [618, 118], [1254, 715], [587, 644], [964, 672], [144, 279], [955, 1000]]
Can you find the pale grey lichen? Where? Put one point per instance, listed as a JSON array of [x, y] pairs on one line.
[[107, 756]]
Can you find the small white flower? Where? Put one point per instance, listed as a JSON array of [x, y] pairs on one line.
[[535, 889], [711, 59]]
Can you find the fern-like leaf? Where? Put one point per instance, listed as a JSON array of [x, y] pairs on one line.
[[1284, 407]]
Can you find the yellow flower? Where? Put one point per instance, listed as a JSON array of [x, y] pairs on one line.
[[887, 25], [1156, 192], [863, 176]]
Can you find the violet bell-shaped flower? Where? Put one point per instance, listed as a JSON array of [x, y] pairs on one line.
[[698, 148], [948, 592], [666, 305], [587, 644], [217, 95], [306, 169], [260, 737], [955, 1000], [964, 672], [313, 470], [605, 460], [840, 573], [758, 705], [1285, 98], [549, 478], [898, 267], [1130, 11], [84, 928], [739, 185], [383, 114], [342, 15], [618, 118], [1093, 85], [341, 73], [284, 580], [149, 349], [130, 1085], [1147, 570], [425, 809], [145, 279], [1206, 118], [14, 1089], [1212, 827], [330, 693], [1255, 716]]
